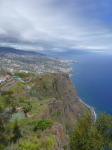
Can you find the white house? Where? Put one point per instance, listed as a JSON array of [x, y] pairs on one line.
[[2, 79]]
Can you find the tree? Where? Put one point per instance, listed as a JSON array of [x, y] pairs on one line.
[[14, 104], [48, 144], [42, 124], [86, 135], [4, 132], [4, 93], [16, 132], [104, 126], [26, 108], [8, 98]]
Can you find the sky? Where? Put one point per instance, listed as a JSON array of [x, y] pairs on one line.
[[56, 25]]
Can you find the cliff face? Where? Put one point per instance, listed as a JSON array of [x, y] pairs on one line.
[[66, 92], [65, 109]]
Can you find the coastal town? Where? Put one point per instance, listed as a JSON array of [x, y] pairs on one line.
[[33, 64]]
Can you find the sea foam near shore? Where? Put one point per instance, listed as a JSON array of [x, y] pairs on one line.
[[91, 108]]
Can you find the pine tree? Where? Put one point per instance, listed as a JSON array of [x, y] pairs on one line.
[[16, 132]]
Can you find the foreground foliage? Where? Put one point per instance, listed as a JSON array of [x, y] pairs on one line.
[[4, 130], [37, 145], [90, 136]]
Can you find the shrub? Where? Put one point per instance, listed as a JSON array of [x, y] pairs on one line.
[[21, 100], [67, 127], [26, 108], [39, 136], [36, 144], [42, 124]]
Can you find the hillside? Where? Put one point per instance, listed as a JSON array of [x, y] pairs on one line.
[[52, 98]]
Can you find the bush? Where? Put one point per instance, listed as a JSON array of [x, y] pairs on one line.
[[36, 144], [67, 127], [21, 100], [39, 136], [26, 108], [42, 124]]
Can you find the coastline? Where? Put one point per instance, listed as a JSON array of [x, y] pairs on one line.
[[91, 108], [70, 73]]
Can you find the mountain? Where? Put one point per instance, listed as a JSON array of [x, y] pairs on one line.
[[6, 50]]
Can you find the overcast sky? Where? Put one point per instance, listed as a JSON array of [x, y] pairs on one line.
[[56, 25]]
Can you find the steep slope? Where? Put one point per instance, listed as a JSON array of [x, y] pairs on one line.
[[52, 97], [65, 108]]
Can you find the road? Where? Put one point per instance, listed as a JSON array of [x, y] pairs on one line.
[[10, 86]]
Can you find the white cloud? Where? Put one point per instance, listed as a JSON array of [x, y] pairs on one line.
[[55, 25]]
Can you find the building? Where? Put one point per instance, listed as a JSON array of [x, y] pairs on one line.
[[16, 77], [2, 79], [41, 73], [24, 71], [8, 77]]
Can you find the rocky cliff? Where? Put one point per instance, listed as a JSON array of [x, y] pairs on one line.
[[64, 108]]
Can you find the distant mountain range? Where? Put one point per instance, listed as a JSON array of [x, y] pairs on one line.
[[6, 50]]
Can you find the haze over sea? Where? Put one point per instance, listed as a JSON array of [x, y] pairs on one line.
[[92, 78]]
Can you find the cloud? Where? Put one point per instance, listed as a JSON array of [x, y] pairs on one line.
[[54, 25]]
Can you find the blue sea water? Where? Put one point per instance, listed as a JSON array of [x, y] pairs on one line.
[[92, 77]]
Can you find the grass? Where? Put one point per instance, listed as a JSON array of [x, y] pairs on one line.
[[45, 82], [35, 94], [37, 108], [23, 74], [20, 94], [17, 87]]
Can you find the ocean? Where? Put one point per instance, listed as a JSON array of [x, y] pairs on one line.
[[92, 77]]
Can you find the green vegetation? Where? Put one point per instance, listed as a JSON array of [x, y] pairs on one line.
[[57, 113], [21, 100], [104, 126], [16, 132], [67, 127], [90, 136], [35, 94], [26, 108], [8, 100], [4, 130], [16, 96], [37, 131], [17, 87], [42, 124], [37, 145], [23, 74]]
